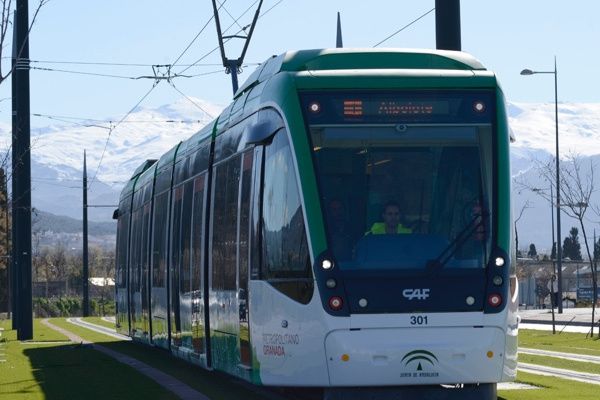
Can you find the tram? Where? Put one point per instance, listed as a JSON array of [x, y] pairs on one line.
[[262, 245]]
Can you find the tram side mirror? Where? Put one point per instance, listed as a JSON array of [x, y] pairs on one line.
[[116, 214], [261, 133]]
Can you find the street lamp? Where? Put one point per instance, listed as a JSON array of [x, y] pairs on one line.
[[551, 260], [558, 244]]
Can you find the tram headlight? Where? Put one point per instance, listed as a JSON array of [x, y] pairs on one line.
[[479, 106], [499, 261], [498, 281], [314, 107], [330, 283], [327, 264]]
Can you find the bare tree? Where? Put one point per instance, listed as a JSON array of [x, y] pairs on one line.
[[576, 188], [525, 207]]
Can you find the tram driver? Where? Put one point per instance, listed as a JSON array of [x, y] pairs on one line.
[[391, 221]]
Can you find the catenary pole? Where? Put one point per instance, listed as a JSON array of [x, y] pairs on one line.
[[7, 244], [447, 25], [22, 176], [14, 275], [86, 298]]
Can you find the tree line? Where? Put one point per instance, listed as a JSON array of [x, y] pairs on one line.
[[571, 249]]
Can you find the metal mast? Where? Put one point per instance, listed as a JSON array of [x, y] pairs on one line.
[[233, 65], [86, 296], [22, 176], [338, 40], [447, 24]]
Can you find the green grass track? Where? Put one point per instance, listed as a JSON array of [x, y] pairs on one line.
[[565, 342], [214, 385], [46, 369], [554, 362], [550, 388], [99, 321]]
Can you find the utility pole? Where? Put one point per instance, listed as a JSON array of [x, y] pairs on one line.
[[13, 258], [233, 66], [6, 255], [86, 297], [22, 175], [447, 25]]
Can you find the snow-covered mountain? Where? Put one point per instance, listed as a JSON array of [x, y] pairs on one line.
[[57, 154], [535, 129]]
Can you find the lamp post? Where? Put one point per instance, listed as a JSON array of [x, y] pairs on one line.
[[558, 244], [553, 276]]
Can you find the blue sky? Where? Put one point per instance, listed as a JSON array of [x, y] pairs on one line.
[[506, 36]]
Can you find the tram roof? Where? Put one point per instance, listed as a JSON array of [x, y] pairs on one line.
[[356, 59]]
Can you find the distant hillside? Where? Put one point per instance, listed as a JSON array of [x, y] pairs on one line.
[[44, 222]]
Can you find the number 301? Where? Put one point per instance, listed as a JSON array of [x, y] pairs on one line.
[[418, 320]]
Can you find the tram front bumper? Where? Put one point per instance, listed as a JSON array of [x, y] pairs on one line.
[[415, 356]]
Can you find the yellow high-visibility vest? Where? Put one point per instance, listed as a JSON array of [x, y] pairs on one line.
[[378, 228]]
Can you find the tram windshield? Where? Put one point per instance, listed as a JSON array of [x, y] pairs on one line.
[[404, 190]]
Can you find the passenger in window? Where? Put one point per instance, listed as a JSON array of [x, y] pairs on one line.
[[391, 221]]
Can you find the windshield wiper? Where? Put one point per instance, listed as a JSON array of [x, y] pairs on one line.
[[442, 259]]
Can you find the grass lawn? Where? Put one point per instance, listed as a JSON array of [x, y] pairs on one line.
[[554, 362], [99, 321], [551, 389], [555, 388], [565, 342], [47, 370], [215, 385]]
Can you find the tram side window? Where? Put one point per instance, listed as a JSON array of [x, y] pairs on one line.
[[122, 250], [176, 234], [134, 258], [145, 229], [245, 218], [159, 240], [186, 232], [197, 232], [225, 213], [285, 249]]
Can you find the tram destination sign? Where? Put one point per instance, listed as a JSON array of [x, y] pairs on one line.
[[398, 107], [393, 108]]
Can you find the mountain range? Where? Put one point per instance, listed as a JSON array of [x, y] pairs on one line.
[[114, 149]]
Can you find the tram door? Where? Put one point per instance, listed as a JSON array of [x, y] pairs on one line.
[[223, 263], [230, 338]]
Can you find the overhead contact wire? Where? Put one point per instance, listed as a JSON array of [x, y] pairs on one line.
[[115, 127], [194, 39], [225, 41], [405, 26]]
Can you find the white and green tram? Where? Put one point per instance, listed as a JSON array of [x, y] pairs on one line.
[[251, 247]]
